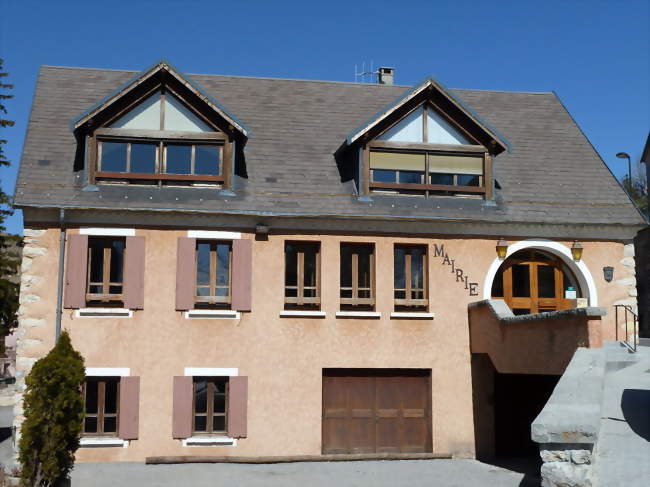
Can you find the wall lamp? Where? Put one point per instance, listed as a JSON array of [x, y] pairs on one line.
[[502, 248], [576, 251]]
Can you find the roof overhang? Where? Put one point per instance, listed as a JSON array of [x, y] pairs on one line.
[[144, 77], [424, 91]]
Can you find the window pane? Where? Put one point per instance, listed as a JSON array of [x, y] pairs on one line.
[[113, 157], [90, 425], [96, 262], [200, 396], [144, 116], [310, 267], [570, 281], [223, 264], [179, 159], [497, 285], [364, 267], [346, 266], [219, 404], [467, 180], [110, 425], [399, 269], [409, 129], [384, 175], [417, 270], [207, 160], [520, 281], [441, 178], [203, 263], [200, 423], [442, 132], [117, 260], [410, 177], [143, 158], [179, 117], [546, 281], [219, 423], [91, 396], [110, 397], [520, 311], [291, 262]]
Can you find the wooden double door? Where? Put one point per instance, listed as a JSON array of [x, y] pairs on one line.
[[376, 411]]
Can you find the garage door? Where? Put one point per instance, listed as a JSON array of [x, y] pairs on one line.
[[376, 411]]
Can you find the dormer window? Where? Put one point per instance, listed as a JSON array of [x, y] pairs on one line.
[[160, 141], [423, 154]]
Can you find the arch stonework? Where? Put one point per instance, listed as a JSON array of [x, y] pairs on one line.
[[579, 269]]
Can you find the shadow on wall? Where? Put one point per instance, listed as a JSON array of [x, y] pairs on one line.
[[635, 404]]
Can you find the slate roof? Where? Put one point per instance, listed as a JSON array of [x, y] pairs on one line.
[[552, 174]]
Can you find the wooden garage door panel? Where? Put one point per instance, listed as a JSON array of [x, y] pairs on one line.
[[382, 413]]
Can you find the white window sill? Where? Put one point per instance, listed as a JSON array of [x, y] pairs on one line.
[[103, 312], [96, 441], [223, 314], [407, 315], [358, 314], [209, 441], [296, 313]]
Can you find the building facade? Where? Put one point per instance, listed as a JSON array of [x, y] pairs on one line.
[[319, 268]]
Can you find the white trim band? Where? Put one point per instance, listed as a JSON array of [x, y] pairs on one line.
[[209, 441], [414, 315], [358, 314], [222, 314], [211, 372], [108, 372], [108, 232], [92, 441], [214, 234], [103, 312], [295, 313]]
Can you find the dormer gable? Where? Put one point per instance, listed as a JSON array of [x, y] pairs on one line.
[[162, 129], [427, 143]]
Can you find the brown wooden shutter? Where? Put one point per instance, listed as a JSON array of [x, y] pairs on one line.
[[134, 273], [129, 408], [182, 407], [237, 406], [242, 257], [185, 273], [76, 270]]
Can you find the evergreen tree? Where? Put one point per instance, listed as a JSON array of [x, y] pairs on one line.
[[8, 261], [53, 415]]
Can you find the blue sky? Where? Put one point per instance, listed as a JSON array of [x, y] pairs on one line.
[[593, 54]]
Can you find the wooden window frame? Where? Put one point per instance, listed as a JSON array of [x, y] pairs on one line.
[[408, 301], [101, 406], [104, 297], [355, 301], [213, 299], [485, 188], [300, 300], [210, 414], [162, 138], [534, 303]]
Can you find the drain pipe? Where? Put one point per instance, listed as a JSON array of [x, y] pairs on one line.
[[59, 289]]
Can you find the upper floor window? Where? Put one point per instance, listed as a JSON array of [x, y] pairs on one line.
[[411, 290], [105, 284], [533, 281], [302, 275], [160, 141], [357, 277], [213, 273], [424, 154]]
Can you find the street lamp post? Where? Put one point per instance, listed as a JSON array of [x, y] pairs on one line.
[[625, 155]]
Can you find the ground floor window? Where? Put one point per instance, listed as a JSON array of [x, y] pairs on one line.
[[101, 406], [209, 405]]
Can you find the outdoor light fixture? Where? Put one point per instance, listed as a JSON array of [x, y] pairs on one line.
[[261, 229], [502, 248], [608, 273], [576, 251], [625, 155]]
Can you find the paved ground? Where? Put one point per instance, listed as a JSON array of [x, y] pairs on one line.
[[411, 473]]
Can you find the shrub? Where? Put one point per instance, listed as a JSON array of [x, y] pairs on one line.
[[53, 415]]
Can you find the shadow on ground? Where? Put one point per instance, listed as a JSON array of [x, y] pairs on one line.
[[527, 465], [635, 404]]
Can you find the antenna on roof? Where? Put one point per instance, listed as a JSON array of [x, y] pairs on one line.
[[383, 75]]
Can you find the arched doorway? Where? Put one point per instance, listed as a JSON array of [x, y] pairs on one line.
[[535, 281]]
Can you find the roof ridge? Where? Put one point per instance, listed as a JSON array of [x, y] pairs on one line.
[[271, 78]]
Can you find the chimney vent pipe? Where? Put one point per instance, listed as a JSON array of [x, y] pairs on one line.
[[385, 75]]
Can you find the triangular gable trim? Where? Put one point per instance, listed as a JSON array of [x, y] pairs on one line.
[[412, 93], [146, 74]]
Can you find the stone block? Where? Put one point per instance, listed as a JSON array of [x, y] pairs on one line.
[[565, 474], [581, 457], [628, 261], [28, 298], [30, 322], [555, 455], [628, 250], [30, 232], [33, 251]]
